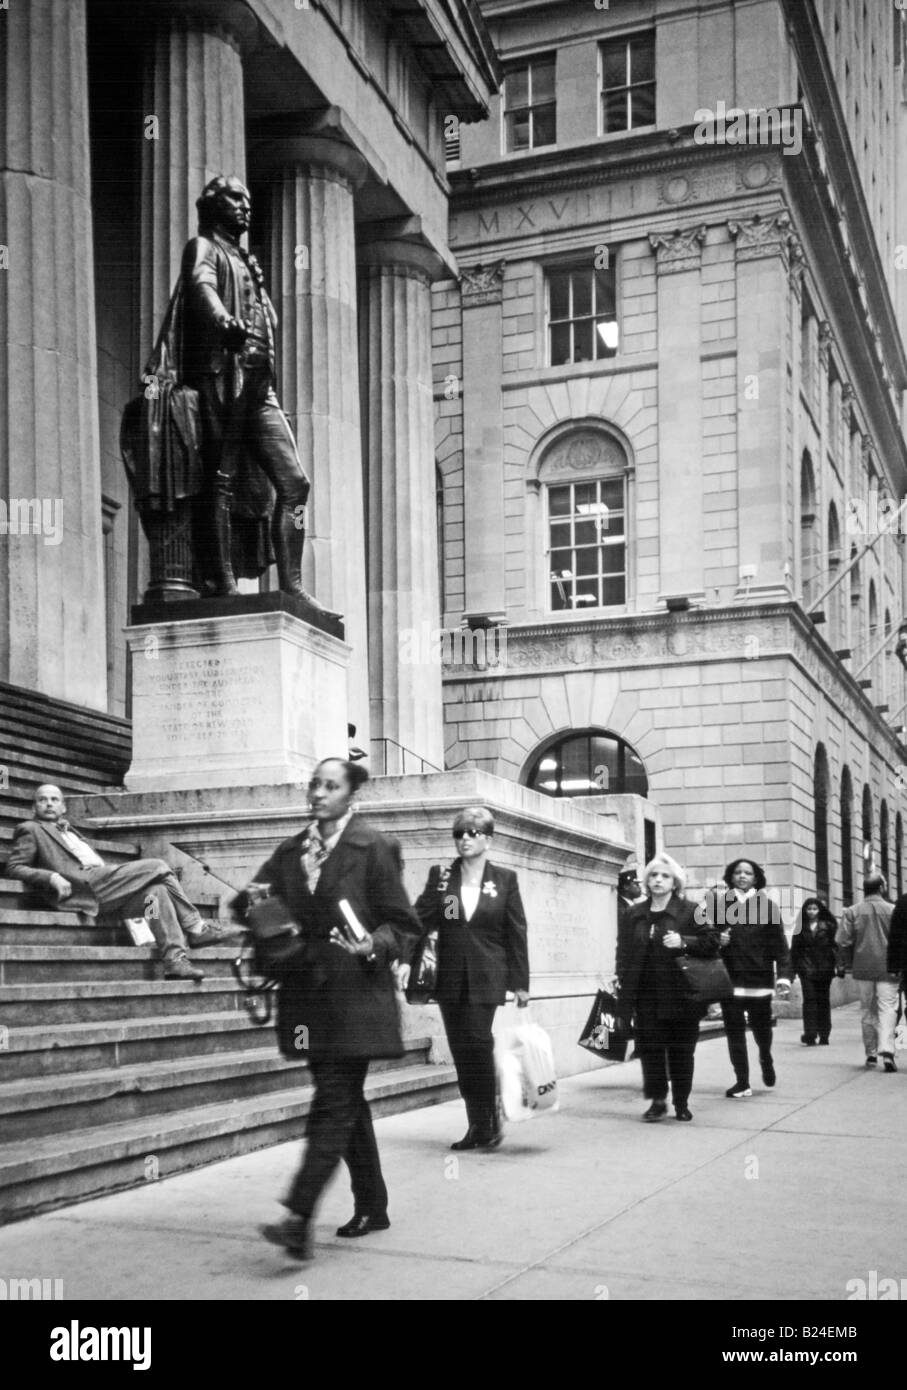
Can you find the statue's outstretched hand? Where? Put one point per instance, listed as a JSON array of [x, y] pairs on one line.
[[235, 335]]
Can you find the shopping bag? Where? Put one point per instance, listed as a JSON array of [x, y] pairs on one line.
[[900, 1032], [606, 1033], [139, 931], [527, 1080]]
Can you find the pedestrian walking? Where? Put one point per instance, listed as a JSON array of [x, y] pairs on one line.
[[863, 944], [337, 1007], [657, 932], [813, 959], [475, 907], [754, 950]]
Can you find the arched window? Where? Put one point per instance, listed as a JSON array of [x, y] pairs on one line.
[[837, 618], [820, 796], [899, 853], [846, 838], [868, 847], [583, 476], [809, 533], [587, 762], [888, 651], [883, 838]]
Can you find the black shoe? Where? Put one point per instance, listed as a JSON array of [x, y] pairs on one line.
[[768, 1071], [294, 1234], [489, 1139], [871, 1062], [469, 1140], [363, 1226], [823, 1042], [656, 1111], [807, 1042], [180, 969], [890, 1063], [738, 1092]]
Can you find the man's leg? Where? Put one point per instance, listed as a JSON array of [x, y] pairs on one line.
[[335, 1110], [867, 992], [269, 440], [887, 1013], [129, 886], [734, 1015]]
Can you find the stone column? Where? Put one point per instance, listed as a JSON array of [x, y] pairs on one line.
[[398, 428], [52, 630], [312, 281], [680, 482], [482, 288]]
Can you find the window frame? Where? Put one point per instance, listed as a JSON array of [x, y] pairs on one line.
[[600, 575], [553, 748], [627, 40], [571, 267], [527, 62]]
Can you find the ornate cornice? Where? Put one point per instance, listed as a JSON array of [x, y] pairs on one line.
[[679, 250]]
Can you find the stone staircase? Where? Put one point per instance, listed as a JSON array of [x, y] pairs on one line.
[[111, 1076]]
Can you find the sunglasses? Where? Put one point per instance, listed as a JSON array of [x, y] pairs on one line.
[[473, 834]]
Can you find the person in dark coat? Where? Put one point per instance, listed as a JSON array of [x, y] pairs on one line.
[[337, 1003], [753, 948], [476, 909], [813, 959], [656, 933]]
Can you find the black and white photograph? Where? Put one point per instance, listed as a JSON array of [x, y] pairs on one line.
[[453, 662]]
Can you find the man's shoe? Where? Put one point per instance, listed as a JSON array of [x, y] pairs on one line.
[[363, 1226], [294, 1234], [768, 1071], [181, 970], [213, 934], [807, 1042], [656, 1111], [738, 1092], [871, 1062], [890, 1063], [823, 1042], [682, 1112]]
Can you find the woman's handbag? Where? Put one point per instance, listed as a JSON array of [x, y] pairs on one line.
[[423, 975], [606, 1033], [705, 979]]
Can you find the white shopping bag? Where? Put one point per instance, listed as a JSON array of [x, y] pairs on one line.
[[527, 1081]]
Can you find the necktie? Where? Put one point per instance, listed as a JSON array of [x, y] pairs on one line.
[[313, 857]]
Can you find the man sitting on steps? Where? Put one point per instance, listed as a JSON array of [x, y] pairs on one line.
[[50, 856]]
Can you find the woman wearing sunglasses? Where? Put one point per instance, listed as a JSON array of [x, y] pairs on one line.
[[476, 909]]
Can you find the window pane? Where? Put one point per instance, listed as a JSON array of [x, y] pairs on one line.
[[562, 562], [587, 563], [582, 294], [586, 534], [642, 101], [516, 89], [518, 130], [612, 592], [634, 774], [583, 346], [558, 501], [560, 598], [545, 132], [586, 594], [613, 559], [575, 769], [560, 534], [612, 494], [560, 344], [604, 292], [642, 59], [614, 111], [614, 64], [607, 337], [543, 81], [584, 495], [559, 294], [605, 766]]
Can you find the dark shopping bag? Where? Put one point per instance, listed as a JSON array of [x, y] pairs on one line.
[[606, 1033], [423, 975], [705, 979]]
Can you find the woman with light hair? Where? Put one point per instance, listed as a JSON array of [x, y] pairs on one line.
[[657, 932]]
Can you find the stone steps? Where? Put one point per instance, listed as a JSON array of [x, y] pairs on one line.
[[97, 1001], [29, 964], [35, 1107], [105, 1158]]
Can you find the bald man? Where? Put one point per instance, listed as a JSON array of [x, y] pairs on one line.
[[51, 857]]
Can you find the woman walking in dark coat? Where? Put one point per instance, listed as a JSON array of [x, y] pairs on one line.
[[813, 958], [337, 1004], [656, 933], [476, 909]]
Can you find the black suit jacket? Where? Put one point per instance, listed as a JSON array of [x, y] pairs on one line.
[[346, 1005], [38, 851], [486, 956], [633, 947]]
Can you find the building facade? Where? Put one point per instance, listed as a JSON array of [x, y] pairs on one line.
[[669, 389]]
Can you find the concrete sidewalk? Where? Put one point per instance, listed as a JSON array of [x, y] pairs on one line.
[[787, 1195]]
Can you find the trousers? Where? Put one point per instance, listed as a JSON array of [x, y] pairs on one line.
[[816, 1006], [735, 1013], [878, 1014], [149, 888], [666, 1050], [340, 1127], [251, 426], [468, 1028]]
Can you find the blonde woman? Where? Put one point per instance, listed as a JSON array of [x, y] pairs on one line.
[[656, 933]]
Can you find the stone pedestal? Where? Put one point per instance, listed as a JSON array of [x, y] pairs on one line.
[[247, 699], [52, 621]]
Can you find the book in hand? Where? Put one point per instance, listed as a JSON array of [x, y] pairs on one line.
[[353, 928]]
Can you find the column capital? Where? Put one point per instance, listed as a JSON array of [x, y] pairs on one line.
[[763, 235], [231, 18], [413, 258], [679, 250], [482, 284], [329, 157]]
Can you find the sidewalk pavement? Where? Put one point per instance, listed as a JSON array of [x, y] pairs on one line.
[[787, 1195]]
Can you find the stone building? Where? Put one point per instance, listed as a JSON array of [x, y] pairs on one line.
[[669, 392]]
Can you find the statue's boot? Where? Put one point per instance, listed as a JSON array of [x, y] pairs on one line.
[[223, 546], [289, 541]]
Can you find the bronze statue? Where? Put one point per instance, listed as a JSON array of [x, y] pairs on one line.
[[218, 340]]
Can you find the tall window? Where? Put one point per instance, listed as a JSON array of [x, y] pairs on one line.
[[582, 314], [530, 104], [627, 83], [899, 852], [883, 839], [820, 793], [810, 554], [846, 838], [587, 542], [868, 850], [837, 628], [589, 762]]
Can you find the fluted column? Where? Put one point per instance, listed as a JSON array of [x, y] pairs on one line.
[[403, 597], [52, 635], [312, 278]]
